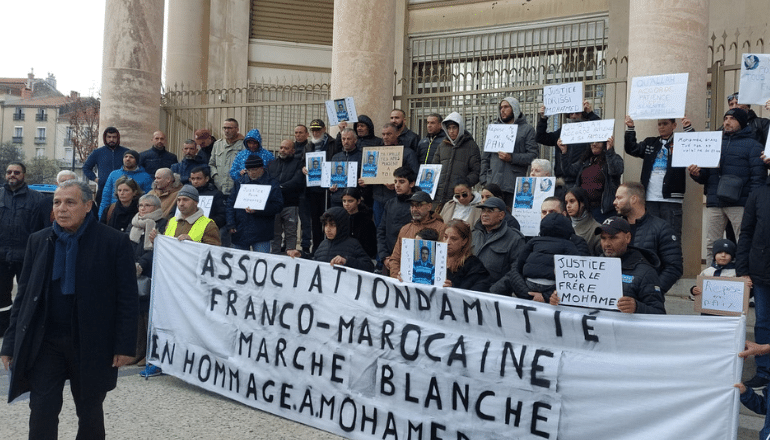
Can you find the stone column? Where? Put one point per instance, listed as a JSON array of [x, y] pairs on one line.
[[228, 59], [131, 69], [675, 38], [187, 45], [362, 62]]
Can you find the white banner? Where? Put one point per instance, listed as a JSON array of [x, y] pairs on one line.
[[755, 79], [563, 98], [702, 148], [658, 96], [589, 131], [368, 357]]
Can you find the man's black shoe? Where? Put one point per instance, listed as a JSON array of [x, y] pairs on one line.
[[757, 382]]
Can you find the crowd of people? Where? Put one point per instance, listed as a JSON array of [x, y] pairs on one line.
[[141, 196]]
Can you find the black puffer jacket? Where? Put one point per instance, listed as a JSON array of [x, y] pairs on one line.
[[257, 226], [409, 139], [536, 260], [753, 256], [362, 229], [20, 216], [428, 146], [759, 127], [218, 211], [288, 173], [396, 215], [657, 236], [740, 157], [640, 280], [343, 244]]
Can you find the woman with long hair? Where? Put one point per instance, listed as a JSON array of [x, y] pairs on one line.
[[576, 203], [464, 270], [598, 172], [120, 213]]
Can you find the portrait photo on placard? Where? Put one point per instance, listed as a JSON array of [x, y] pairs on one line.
[[370, 164], [524, 194]]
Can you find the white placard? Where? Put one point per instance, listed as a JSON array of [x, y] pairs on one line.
[[427, 178], [595, 282], [755, 79], [252, 196], [204, 203], [701, 148], [339, 110], [658, 96], [331, 346], [589, 131], [563, 98], [314, 162], [423, 261], [500, 137], [341, 173], [529, 196], [723, 295]]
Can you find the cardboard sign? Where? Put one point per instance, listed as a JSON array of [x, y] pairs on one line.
[[379, 163], [252, 196], [702, 148], [314, 162], [427, 178], [500, 137], [563, 98], [423, 261], [722, 296], [658, 96], [341, 173], [589, 131], [338, 110], [755, 79], [204, 203], [530, 193], [595, 282]]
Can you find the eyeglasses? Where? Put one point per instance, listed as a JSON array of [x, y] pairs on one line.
[[461, 195], [14, 172]]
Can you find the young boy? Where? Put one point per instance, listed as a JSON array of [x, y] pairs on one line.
[[723, 265], [339, 247], [396, 213]]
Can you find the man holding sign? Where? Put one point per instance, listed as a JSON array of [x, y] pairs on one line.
[[503, 168]]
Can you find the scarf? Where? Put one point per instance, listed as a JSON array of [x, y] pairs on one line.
[[578, 219], [719, 268], [142, 225], [65, 256]]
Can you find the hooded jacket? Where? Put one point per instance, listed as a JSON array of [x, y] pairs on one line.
[[504, 173], [105, 159], [753, 255], [222, 157], [497, 249], [257, 226], [459, 159], [343, 244], [239, 163], [370, 140], [108, 194]]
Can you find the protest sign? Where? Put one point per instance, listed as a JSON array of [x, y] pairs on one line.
[[563, 98], [594, 282], [589, 131], [427, 178], [340, 173], [204, 203], [338, 110], [658, 96], [755, 79], [252, 196], [367, 357], [386, 160], [314, 164], [423, 261], [530, 193], [722, 295], [702, 148], [500, 137]]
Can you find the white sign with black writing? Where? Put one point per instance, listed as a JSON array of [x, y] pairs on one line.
[[204, 203], [314, 162], [252, 196], [427, 178], [722, 295], [701, 148], [527, 201], [500, 137], [563, 98], [423, 261], [755, 79], [338, 110], [365, 356], [658, 96], [589, 131], [595, 282], [341, 173]]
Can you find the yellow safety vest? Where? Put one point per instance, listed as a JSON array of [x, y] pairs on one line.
[[197, 231]]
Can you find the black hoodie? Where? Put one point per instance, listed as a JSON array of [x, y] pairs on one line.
[[343, 244]]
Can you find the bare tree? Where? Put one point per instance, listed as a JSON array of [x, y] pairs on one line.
[[84, 125]]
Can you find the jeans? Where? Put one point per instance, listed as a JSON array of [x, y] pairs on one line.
[[285, 227], [762, 326]]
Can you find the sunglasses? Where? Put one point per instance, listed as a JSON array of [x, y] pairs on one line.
[[14, 172], [731, 97], [461, 195]]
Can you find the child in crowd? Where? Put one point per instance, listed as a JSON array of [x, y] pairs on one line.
[[338, 247], [723, 265]]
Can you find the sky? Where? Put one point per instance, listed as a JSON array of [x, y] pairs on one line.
[[54, 36]]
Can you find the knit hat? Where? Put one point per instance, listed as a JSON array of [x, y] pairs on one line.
[[202, 134], [724, 245], [133, 153], [188, 191], [254, 161], [740, 115]]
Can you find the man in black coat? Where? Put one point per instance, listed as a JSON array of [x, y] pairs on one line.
[[429, 144], [287, 170], [75, 315], [406, 137]]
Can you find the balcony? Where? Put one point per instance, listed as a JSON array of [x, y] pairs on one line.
[[40, 140], [18, 116], [68, 142], [17, 139], [41, 117]]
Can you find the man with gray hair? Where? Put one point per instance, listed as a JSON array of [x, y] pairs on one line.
[[165, 187], [65, 175], [503, 168]]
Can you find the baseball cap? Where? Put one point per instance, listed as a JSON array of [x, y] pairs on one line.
[[613, 225]]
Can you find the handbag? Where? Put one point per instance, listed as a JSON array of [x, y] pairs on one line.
[[144, 283], [730, 188]]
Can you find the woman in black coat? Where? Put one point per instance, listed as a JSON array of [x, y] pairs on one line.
[[464, 270], [120, 213], [361, 223]]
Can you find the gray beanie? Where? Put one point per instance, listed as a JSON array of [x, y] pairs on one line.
[[188, 191]]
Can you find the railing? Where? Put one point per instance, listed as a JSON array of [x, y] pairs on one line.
[[40, 140], [17, 139], [41, 117], [18, 116]]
